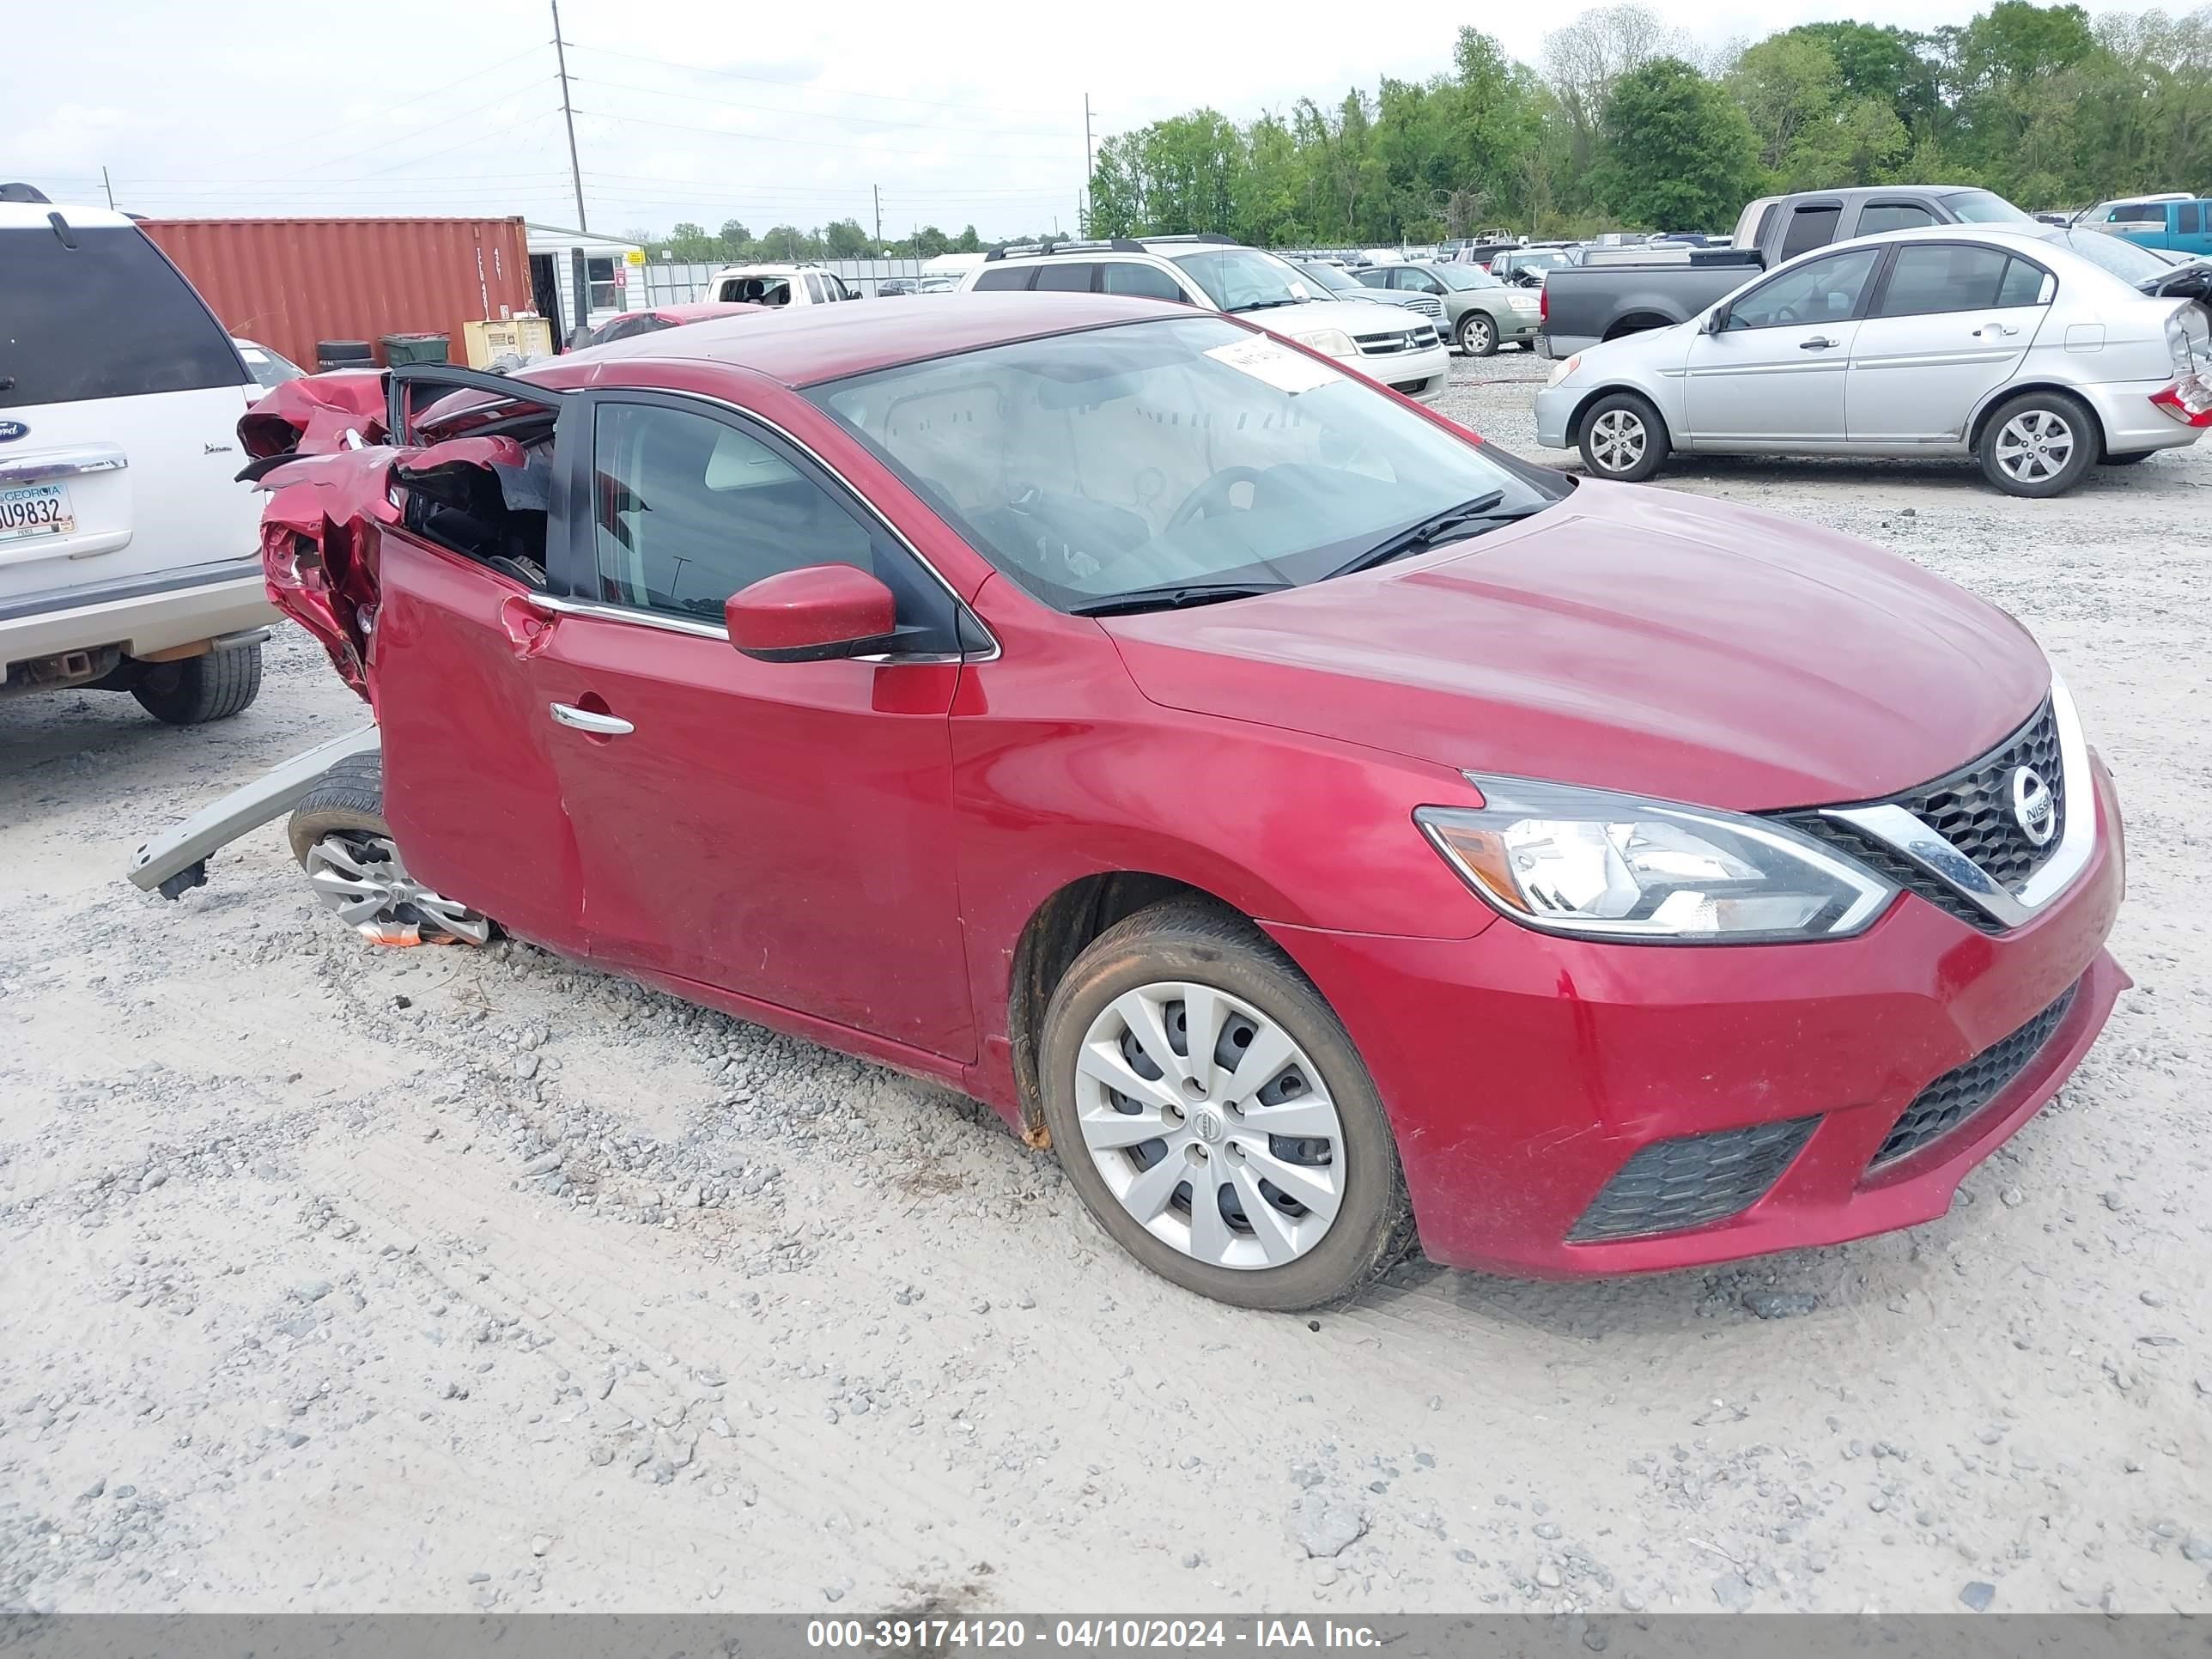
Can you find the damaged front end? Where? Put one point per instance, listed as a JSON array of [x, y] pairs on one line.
[[470, 475]]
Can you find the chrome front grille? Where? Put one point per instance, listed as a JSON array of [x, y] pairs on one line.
[[1396, 342], [1960, 842], [1427, 304]]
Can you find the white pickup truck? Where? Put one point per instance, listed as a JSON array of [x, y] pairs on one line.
[[130, 557]]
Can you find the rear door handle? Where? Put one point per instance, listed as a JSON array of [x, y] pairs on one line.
[[1817, 342], [584, 719]]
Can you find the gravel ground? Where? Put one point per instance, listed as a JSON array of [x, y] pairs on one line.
[[341, 1279]]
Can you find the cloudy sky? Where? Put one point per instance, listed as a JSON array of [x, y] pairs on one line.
[[791, 111]]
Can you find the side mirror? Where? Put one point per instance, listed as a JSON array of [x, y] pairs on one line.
[[812, 615], [1716, 320]]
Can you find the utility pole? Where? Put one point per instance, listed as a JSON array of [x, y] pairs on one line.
[[575, 172], [879, 191], [109, 187], [1086, 164]]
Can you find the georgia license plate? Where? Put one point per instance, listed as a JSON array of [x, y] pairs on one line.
[[41, 509]]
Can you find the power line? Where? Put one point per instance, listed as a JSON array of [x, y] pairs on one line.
[[771, 81], [823, 115], [811, 143]]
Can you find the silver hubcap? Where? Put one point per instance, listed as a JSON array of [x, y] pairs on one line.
[[2034, 446], [361, 877], [1209, 1125], [1476, 335], [1617, 441]]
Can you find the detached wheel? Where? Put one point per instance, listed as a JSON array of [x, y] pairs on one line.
[[1215, 1118], [1623, 438], [213, 687], [1478, 335], [2039, 444], [339, 837]]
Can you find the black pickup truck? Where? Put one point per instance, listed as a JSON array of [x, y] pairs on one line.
[[1602, 300]]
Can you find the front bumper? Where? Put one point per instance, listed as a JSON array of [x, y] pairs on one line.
[[1521, 1070], [1554, 405], [1421, 376], [1516, 327]]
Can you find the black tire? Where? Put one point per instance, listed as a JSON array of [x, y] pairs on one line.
[[2038, 411], [2126, 460], [1187, 941], [213, 686], [350, 796], [1641, 446], [1478, 334]]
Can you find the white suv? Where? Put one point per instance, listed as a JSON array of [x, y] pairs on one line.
[[128, 554], [779, 285], [1401, 349]]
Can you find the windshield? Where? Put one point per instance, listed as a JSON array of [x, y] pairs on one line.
[[1551, 256], [1187, 450], [2126, 261], [269, 369], [1983, 207], [1464, 276], [1330, 277], [1244, 278]]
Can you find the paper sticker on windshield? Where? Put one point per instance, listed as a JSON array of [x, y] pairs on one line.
[[1277, 364]]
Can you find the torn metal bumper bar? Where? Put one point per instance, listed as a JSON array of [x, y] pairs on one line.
[[177, 860]]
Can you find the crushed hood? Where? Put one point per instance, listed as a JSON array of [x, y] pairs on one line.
[[1630, 639]]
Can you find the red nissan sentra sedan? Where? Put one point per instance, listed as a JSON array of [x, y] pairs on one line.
[[1312, 823]]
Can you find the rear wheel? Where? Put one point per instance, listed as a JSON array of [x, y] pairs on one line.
[[1478, 335], [2039, 444], [212, 686], [338, 834], [1214, 1117], [1623, 438]]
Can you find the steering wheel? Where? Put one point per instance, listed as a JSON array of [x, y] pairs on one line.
[[1212, 494]]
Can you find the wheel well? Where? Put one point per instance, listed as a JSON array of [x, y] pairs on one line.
[[1583, 408], [1059, 931], [2006, 394], [1638, 322]]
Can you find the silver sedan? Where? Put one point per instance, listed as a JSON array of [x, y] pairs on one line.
[[2038, 351]]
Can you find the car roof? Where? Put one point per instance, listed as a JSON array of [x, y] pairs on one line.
[[32, 216], [805, 345]]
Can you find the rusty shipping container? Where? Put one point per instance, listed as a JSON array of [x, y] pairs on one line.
[[289, 282]]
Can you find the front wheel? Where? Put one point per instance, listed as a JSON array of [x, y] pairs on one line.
[[338, 834], [1478, 335], [1214, 1117], [2039, 444], [1623, 438]]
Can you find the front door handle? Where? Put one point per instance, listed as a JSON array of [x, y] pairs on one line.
[[1994, 328], [1817, 342], [585, 719]]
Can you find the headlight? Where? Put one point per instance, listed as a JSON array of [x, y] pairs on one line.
[[1602, 866], [1561, 370], [1329, 342], [1520, 300]]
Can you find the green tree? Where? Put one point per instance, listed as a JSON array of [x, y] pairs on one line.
[[844, 239], [967, 242], [1678, 154], [1788, 87], [733, 240], [692, 242]]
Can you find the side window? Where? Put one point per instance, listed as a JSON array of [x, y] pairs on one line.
[[2025, 284], [606, 293], [833, 286], [1065, 277], [1930, 276], [109, 318], [1005, 277], [815, 293], [1144, 281], [1818, 291], [1810, 227], [1893, 215], [2186, 219], [2138, 213], [690, 510]]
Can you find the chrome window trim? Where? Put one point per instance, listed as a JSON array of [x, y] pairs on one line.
[[709, 630], [1917, 841]]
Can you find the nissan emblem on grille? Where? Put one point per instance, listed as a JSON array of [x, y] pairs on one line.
[[2033, 807]]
